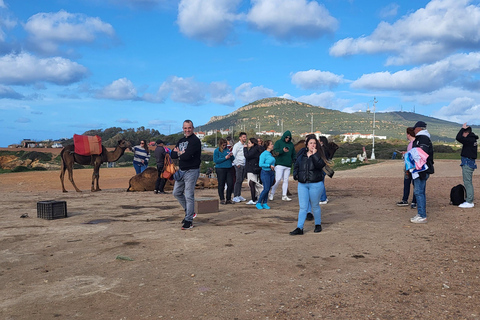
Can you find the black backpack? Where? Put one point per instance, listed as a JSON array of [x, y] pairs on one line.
[[457, 195]]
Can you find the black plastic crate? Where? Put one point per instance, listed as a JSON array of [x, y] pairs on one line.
[[51, 209]]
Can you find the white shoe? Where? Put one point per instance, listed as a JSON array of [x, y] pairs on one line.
[[270, 197], [236, 200], [418, 219], [252, 202], [466, 205], [323, 202], [241, 198], [285, 198]]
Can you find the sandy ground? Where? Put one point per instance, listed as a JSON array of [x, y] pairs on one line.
[[370, 262]]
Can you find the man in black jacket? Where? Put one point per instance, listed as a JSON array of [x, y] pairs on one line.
[[469, 153], [422, 140], [188, 150]]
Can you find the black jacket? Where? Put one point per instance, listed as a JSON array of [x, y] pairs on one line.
[[252, 158], [469, 148], [308, 169], [423, 141], [191, 159]]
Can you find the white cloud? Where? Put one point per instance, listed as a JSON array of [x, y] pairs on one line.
[[25, 69], [2, 4], [125, 120], [247, 93], [325, 100], [356, 108], [390, 10], [316, 79], [460, 110], [428, 34], [121, 89], [289, 19], [221, 93], [184, 90], [207, 20], [50, 30], [9, 93], [451, 71]]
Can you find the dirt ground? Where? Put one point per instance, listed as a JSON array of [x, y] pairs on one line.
[[369, 262]]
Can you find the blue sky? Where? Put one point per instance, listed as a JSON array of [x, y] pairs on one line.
[[67, 66]]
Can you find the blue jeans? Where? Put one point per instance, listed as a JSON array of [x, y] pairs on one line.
[[323, 193], [139, 168], [419, 187], [267, 179], [184, 192], [309, 194]]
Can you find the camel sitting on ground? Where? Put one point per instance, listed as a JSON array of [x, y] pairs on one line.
[[69, 157]]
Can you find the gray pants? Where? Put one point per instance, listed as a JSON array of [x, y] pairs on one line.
[[240, 174], [467, 174], [184, 191]]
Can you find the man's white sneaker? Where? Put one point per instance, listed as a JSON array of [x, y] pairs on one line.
[[236, 200], [466, 205], [285, 198], [418, 219], [241, 198], [270, 197], [323, 202], [252, 202]]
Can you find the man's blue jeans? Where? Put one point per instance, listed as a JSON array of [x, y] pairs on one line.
[[419, 187], [309, 195], [184, 192]]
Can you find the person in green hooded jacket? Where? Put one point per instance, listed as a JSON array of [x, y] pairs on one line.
[[284, 152]]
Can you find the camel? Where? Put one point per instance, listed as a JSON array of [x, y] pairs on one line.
[[145, 181], [69, 157]]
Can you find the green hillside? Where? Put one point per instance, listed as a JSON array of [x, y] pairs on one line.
[[268, 114]]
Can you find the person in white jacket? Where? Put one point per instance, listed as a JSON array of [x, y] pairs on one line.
[[239, 165]]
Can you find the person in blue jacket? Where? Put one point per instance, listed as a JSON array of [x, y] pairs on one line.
[[223, 159], [267, 175]]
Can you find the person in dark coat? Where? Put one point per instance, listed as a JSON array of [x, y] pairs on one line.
[[469, 153], [252, 157], [308, 170]]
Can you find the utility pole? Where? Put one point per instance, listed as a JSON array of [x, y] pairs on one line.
[[280, 122], [311, 122], [257, 125], [373, 140]]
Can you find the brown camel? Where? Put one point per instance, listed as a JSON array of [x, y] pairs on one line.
[[69, 157]]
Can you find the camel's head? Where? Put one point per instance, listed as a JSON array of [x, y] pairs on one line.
[[124, 144]]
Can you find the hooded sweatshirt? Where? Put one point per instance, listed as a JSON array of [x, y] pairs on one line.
[[284, 158]]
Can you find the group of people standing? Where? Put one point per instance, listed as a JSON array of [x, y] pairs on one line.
[[420, 154], [262, 163], [268, 165]]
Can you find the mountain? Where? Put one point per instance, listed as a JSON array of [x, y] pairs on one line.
[[269, 114]]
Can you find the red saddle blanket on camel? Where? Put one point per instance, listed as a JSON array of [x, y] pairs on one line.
[[87, 145]]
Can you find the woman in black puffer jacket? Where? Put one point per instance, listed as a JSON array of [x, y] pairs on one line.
[[308, 171], [252, 156]]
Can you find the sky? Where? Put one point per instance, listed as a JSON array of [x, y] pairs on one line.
[[68, 66]]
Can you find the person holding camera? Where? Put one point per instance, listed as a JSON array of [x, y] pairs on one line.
[[284, 153]]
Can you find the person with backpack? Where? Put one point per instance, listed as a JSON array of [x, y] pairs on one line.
[[469, 153]]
